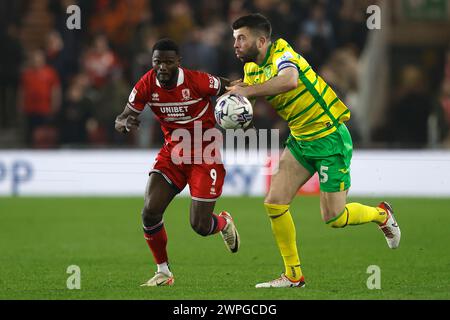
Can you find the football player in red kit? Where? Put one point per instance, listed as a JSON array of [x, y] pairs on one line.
[[179, 98]]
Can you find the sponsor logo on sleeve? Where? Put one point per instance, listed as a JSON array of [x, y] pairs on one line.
[[213, 82], [132, 96], [285, 57]]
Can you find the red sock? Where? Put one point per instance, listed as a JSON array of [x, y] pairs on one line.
[[156, 238], [218, 222]]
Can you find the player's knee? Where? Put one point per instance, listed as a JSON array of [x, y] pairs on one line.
[[200, 227], [151, 215], [274, 199]]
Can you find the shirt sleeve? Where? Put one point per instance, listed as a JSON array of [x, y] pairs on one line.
[[208, 85], [247, 79], [286, 59], [138, 97]]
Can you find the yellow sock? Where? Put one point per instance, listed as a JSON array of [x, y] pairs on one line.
[[283, 229], [356, 213]]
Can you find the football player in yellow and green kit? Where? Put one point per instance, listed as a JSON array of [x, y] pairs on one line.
[[319, 141]]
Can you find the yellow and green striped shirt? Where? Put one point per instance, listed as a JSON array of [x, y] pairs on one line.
[[312, 110]]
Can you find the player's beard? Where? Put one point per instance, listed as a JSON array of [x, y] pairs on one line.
[[251, 55], [168, 81]]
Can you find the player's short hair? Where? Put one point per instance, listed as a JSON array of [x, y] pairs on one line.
[[255, 22], [166, 44]]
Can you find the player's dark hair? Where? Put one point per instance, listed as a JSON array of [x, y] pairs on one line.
[[166, 44], [256, 22]]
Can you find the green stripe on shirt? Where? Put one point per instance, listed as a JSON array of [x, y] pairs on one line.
[[254, 73], [323, 113], [293, 99], [303, 111], [317, 96]]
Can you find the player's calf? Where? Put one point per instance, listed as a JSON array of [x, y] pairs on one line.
[[357, 214], [336, 220], [208, 225], [203, 220], [201, 226]]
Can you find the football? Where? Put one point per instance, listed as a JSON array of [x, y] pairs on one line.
[[233, 111]]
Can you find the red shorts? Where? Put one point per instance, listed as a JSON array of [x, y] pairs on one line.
[[205, 180]]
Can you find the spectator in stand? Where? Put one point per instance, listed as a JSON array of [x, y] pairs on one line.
[[236, 8], [40, 94], [344, 64], [349, 21], [200, 52], [284, 16], [304, 45], [180, 21], [72, 40], [320, 30], [117, 19], [445, 104], [107, 107], [411, 109], [445, 111], [76, 112], [100, 61], [143, 56], [317, 25], [11, 57], [54, 55]]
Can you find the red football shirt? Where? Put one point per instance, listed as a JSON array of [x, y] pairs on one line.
[[37, 86], [178, 107]]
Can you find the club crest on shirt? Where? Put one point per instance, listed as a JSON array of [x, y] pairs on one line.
[[155, 97], [268, 71], [186, 93]]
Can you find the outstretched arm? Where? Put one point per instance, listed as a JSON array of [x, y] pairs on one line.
[[286, 80], [127, 121], [224, 82]]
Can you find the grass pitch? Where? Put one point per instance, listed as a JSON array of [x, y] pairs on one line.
[[41, 237]]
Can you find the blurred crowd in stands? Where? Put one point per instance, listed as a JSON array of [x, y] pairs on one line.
[[72, 84]]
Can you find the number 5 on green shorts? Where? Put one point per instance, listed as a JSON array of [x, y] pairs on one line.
[[330, 156]]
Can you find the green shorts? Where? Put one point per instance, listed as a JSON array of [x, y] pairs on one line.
[[330, 156]]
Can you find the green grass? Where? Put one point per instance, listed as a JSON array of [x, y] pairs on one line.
[[41, 237]]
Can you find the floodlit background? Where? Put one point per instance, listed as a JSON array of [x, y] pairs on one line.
[[61, 89], [395, 80]]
